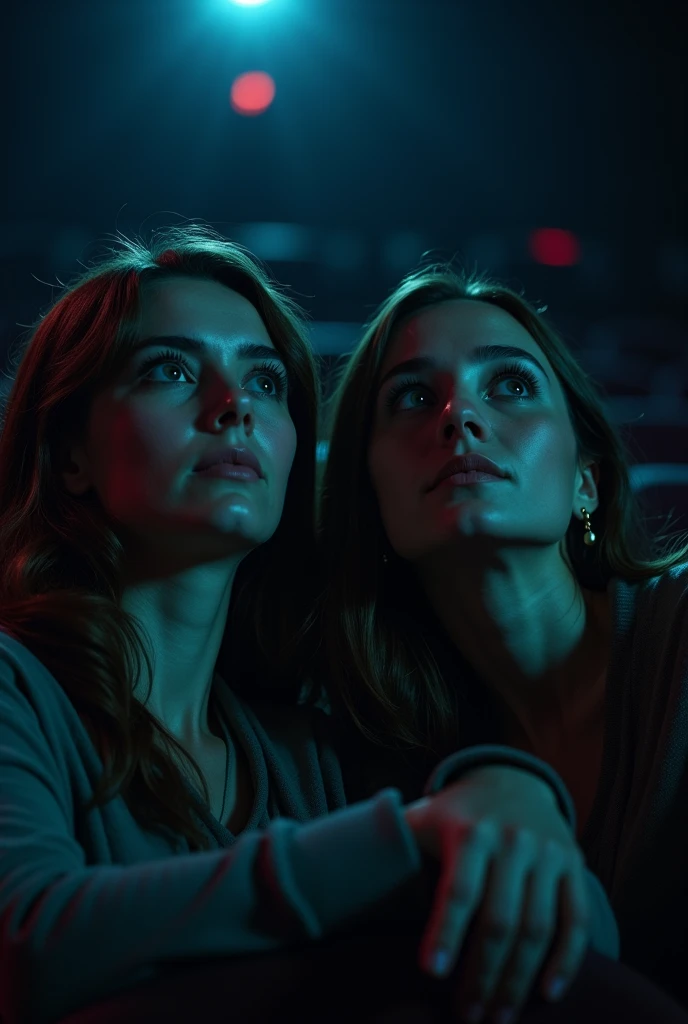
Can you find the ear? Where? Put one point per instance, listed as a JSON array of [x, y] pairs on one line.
[[586, 495], [75, 470]]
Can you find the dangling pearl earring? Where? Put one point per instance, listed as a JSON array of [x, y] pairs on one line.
[[385, 559], [588, 536]]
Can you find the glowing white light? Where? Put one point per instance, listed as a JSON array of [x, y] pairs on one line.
[[249, 3]]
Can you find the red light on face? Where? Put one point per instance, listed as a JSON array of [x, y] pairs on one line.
[[252, 93], [554, 247]]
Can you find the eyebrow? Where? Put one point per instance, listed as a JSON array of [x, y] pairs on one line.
[[479, 356], [245, 350]]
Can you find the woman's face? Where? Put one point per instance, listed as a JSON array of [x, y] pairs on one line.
[[205, 376], [464, 393]]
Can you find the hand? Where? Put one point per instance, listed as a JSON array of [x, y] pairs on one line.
[[511, 869]]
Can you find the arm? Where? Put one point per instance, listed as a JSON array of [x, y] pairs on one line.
[[604, 930], [452, 768], [71, 932]]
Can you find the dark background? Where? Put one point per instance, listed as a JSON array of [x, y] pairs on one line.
[[398, 127]]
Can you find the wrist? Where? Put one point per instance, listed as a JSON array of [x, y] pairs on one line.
[[415, 812], [503, 773], [416, 819]]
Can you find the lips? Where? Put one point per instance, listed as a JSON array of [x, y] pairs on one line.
[[232, 456], [471, 463]]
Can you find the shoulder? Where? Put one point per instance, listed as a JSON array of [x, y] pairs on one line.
[[674, 581], [13, 695], [30, 694], [661, 602], [651, 632], [20, 671], [37, 721]]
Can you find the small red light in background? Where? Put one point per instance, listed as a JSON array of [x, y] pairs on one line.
[[252, 93], [554, 247]]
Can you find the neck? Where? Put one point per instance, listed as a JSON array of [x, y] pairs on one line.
[[184, 618], [531, 632]]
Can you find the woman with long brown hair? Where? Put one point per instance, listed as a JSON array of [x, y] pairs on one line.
[[159, 784], [491, 588]]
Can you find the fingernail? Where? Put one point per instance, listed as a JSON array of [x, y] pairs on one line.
[[474, 1013], [556, 987], [440, 961]]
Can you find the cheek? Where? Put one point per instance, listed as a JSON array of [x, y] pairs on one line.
[[389, 477], [546, 448], [137, 450], [545, 459], [280, 444]]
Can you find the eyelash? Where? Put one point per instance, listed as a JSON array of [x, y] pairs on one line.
[[512, 371], [273, 370]]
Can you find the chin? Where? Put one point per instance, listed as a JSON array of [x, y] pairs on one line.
[[234, 514], [456, 523], [213, 533], [227, 528]]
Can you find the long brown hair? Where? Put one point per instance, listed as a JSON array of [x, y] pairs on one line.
[[381, 645], [61, 571]]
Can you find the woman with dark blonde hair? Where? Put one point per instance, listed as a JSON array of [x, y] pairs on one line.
[[491, 588], [167, 850]]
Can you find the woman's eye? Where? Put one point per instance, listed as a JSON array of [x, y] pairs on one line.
[[408, 395], [168, 365], [517, 382], [264, 385], [268, 380], [521, 384], [514, 381], [414, 399]]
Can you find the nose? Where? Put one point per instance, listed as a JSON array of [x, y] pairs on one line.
[[234, 409], [461, 418]]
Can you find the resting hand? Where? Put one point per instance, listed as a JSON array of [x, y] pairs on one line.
[[510, 868]]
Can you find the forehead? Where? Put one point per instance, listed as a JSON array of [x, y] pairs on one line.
[[197, 307], [450, 329]]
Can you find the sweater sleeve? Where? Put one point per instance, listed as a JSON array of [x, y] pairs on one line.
[[72, 932], [604, 931]]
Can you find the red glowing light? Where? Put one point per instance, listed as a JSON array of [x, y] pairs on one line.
[[554, 247], [252, 93]]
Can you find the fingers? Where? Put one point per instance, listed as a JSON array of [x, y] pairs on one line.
[[573, 936], [528, 904], [554, 909], [512, 933], [465, 863]]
